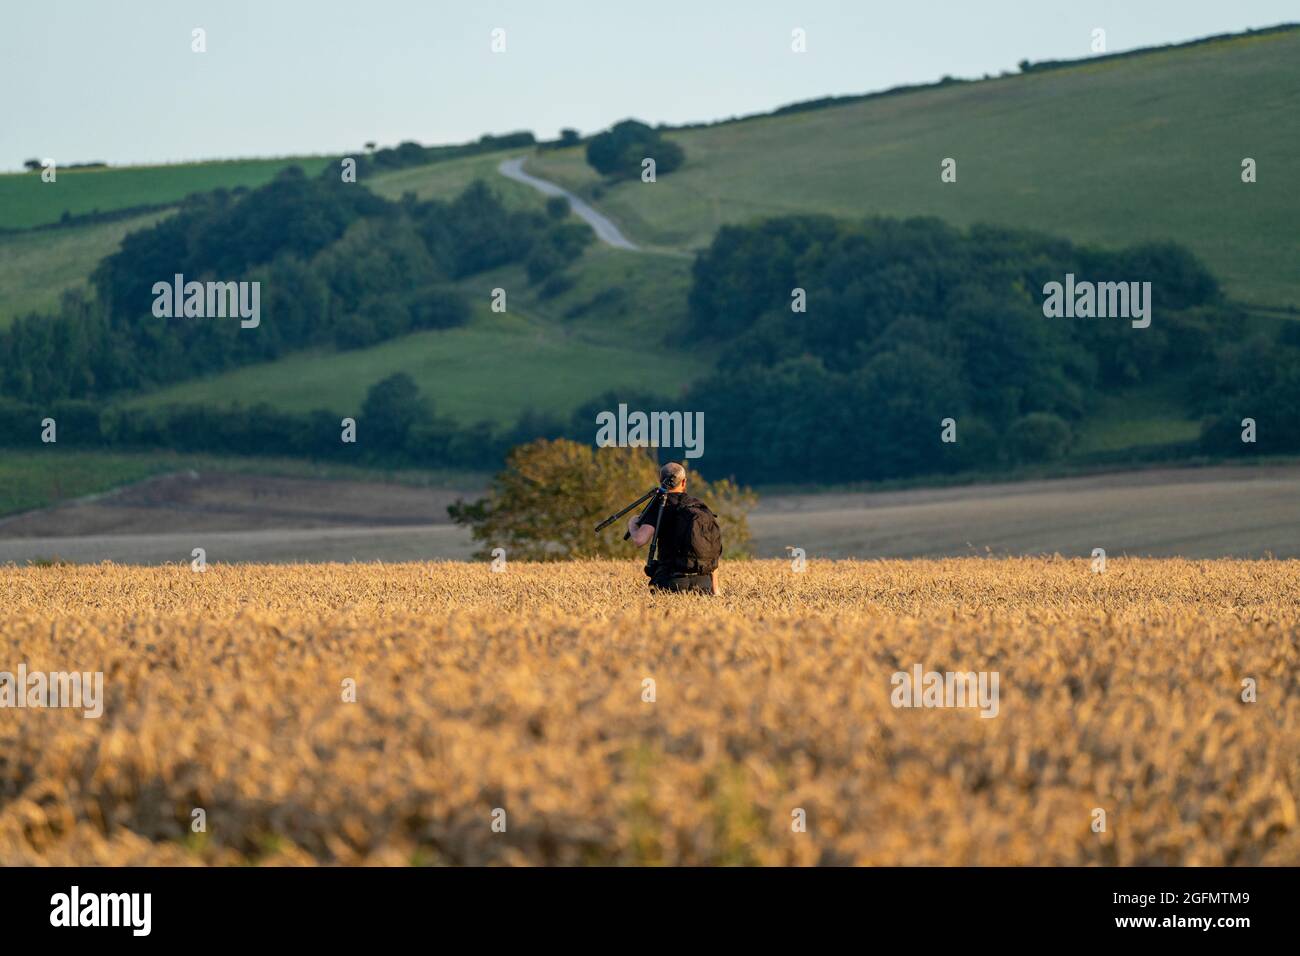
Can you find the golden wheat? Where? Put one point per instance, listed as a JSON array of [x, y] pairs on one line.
[[524, 691]]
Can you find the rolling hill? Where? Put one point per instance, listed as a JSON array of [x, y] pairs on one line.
[[489, 370], [27, 201], [545, 354], [37, 266], [1110, 152]]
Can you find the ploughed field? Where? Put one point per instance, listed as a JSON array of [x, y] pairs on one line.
[[1212, 512], [508, 718]]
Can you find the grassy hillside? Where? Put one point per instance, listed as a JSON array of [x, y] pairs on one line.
[[1113, 152], [449, 178], [533, 357], [37, 267], [547, 355], [491, 370], [26, 201], [1139, 415]]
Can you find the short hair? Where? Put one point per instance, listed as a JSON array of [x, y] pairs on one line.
[[671, 475]]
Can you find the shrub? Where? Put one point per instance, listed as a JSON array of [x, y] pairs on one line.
[[619, 151], [1038, 436], [552, 494], [544, 261], [558, 284], [392, 408], [439, 309]]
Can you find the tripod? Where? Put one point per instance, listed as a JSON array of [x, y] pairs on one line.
[[658, 494]]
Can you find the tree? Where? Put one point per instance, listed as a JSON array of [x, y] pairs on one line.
[[1259, 379], [552, 494], [543, 262], [619, 151], [391, 409], [1038, 436]]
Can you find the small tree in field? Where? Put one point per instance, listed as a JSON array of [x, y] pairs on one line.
[[392, 407], [551, 495], [618, 152]]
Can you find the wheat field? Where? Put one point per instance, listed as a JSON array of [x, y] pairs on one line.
[[520, 699]]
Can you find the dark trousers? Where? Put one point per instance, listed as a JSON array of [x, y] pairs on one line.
[[702, 583]]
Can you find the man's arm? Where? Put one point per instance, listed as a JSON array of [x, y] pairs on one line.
[[641, 533]]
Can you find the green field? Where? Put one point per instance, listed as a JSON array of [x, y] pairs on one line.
[[36, 268], [26, 201], [1113, 152], [40, 478], [35, 479], [493, 369], [1142, 415]]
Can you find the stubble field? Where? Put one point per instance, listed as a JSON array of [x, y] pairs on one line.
[[520, 698]]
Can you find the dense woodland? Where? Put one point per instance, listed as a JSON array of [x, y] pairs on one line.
[[908, 323]]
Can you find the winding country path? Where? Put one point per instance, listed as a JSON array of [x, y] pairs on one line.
[[606, 231]]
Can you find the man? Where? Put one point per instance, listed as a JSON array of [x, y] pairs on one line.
[[690, 541]]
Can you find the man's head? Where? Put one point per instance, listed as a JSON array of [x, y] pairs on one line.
[[672, 477]]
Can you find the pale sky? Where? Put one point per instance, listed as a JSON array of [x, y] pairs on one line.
[[117, 81]]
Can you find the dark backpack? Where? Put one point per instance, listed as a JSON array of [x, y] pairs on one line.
[[696, 540]]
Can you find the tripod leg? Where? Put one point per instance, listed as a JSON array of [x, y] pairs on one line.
[[614, 517], [654, 539]]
